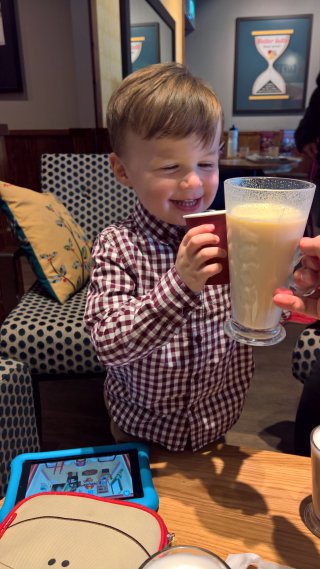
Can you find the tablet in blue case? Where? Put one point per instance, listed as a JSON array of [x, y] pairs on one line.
[[115, 471]]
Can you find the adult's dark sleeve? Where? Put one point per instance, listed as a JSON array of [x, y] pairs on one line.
[[308, 129], [308, 412]]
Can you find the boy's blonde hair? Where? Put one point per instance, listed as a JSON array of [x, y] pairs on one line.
[[163, 100]]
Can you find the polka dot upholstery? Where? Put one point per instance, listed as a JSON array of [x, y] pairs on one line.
[[50, 337], [306, 352], [87, 187], [18, 430]]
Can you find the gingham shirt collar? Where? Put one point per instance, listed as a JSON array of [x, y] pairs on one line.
[[155, 229]]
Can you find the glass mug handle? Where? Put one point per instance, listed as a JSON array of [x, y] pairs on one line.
[[291, 284]]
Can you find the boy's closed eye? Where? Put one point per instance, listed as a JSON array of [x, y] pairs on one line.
[[202, 165], [207, 165], [169, 167]]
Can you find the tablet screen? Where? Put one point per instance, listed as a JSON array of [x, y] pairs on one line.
[[106, 475]]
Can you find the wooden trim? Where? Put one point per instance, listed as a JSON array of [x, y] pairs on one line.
[[93, 66], [11, 280], [21, 150], [3, 129]]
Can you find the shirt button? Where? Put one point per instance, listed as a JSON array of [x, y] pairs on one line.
[[198, 339]]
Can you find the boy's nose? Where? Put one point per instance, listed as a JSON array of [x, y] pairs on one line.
[[191, 180]]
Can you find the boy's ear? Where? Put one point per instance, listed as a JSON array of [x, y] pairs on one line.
[[118, 169]]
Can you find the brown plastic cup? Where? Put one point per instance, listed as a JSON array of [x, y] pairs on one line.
[[218, 219]]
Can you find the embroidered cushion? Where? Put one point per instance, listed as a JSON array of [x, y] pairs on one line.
[[55, 244]]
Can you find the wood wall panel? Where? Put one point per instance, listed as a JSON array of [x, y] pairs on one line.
[[23, 149]]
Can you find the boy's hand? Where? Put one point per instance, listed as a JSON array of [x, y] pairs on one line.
[[306, 278], [195, 259]]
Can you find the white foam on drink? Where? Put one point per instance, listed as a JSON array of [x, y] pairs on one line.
[[186, 561], [315, 467], [316, 437], [269, 212]]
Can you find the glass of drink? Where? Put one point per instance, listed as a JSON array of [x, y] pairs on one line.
[[266, 218], [311, 513], [184, 557]]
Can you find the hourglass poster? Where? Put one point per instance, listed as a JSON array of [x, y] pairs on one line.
[[271, 64]]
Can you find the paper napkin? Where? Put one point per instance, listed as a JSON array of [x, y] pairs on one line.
[[246, 560]]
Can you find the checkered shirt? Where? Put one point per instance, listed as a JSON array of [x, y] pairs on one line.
[[172, 373]]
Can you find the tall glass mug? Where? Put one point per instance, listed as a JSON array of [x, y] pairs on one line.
[[312, 512], [184, 557], [266, 218]]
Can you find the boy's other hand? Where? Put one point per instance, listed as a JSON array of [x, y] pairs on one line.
[[195, 261]]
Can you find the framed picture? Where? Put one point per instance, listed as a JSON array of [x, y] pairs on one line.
[[10, 69], [271, 65], [145, 45]]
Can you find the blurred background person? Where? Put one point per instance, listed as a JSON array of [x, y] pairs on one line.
[[307, 138]]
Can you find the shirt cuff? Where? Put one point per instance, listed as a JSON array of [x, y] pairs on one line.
[[174, 294]]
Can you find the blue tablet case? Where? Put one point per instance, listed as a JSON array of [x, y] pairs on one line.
[[150, 496]]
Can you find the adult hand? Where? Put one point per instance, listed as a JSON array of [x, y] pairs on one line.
[[310, 150], [195, 259], [306, 278]]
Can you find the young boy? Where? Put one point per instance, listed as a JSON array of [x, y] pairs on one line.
[[173, 376]]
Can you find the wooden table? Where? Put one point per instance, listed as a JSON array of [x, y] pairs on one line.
[[244, 164], [235, 500], [255, 168]]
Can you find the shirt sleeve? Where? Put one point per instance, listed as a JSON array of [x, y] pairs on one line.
[[308, 129], [125, 327]]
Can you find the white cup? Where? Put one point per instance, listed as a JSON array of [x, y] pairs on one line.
[[184, 557], [274, 151], [244, 151], [312, 511]]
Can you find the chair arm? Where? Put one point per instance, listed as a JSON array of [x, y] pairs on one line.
[[11, 280], [16, 400]]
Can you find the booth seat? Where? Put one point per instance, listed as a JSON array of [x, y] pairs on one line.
[[18, 433], [47, 334]]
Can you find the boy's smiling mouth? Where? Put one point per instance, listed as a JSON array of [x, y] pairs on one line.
[[187, 205]]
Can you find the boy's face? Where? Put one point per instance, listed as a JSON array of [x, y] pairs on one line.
[[171, 177]]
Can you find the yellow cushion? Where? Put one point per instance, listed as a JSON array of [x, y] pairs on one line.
[[55, 244]]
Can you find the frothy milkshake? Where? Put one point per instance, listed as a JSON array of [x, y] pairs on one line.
[[262, 239]]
